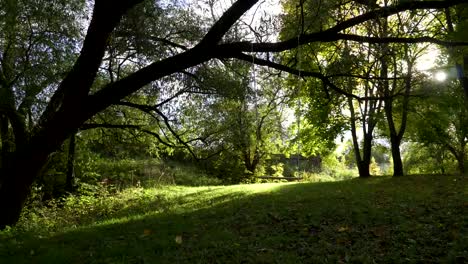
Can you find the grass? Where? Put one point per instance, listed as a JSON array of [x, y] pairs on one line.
[[416, 219]]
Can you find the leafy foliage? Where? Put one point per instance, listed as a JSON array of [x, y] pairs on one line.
[[441, 122]]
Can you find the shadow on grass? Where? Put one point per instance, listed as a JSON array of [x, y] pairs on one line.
[[414, 219]]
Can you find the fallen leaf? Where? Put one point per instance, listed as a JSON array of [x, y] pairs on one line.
[[343, 229]]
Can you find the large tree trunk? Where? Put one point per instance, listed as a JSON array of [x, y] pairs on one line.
[[5, 142], [395, 137], [70, 164], [251, 163], [26, 162], [18, 177]]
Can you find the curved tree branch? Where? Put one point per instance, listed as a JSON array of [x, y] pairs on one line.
[[88, 126], [302, 73], [150, 109], [223, 24]]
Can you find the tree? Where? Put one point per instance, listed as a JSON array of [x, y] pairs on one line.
[[440, 117], [440, 120], [388, 78], [352, 69], [459, 56], [256, 125], [402, 58], [242, 120], [37, 47], [75, 100]]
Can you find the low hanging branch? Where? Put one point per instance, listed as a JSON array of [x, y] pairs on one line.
[[325, 79], [153, 109], [88, 126]]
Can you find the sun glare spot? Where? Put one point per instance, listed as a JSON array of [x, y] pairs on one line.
[[440, 76], [428, 59]]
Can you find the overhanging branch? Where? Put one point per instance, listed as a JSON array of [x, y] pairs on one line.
[[301, 73], [228, 19], [325, 79], [149, 110], [377, 40], [333, 33], [88, 126]]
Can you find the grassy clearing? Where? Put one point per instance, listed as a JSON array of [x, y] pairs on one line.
[[417, 219]]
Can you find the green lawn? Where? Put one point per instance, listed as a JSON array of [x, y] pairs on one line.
[[416, 219]]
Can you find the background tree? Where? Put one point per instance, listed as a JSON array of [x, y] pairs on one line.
[[242, 120], [440, 120], [390, 73]]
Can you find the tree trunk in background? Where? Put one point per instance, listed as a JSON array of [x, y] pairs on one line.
[[396, 135], [366, 157], [70, 164], [461, 158], [363, 168], [251, 163], [396, 156], [363, 163], [461, 166], [464, 80]]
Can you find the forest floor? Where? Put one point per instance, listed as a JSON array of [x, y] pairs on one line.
[[414, 219]]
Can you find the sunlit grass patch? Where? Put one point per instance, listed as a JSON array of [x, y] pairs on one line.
[[409, 219]]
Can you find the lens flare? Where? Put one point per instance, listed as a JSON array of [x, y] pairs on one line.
[[440, 76]]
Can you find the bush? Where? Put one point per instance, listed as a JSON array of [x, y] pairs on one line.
[[335, 169], [228, 168], [123, 173]]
